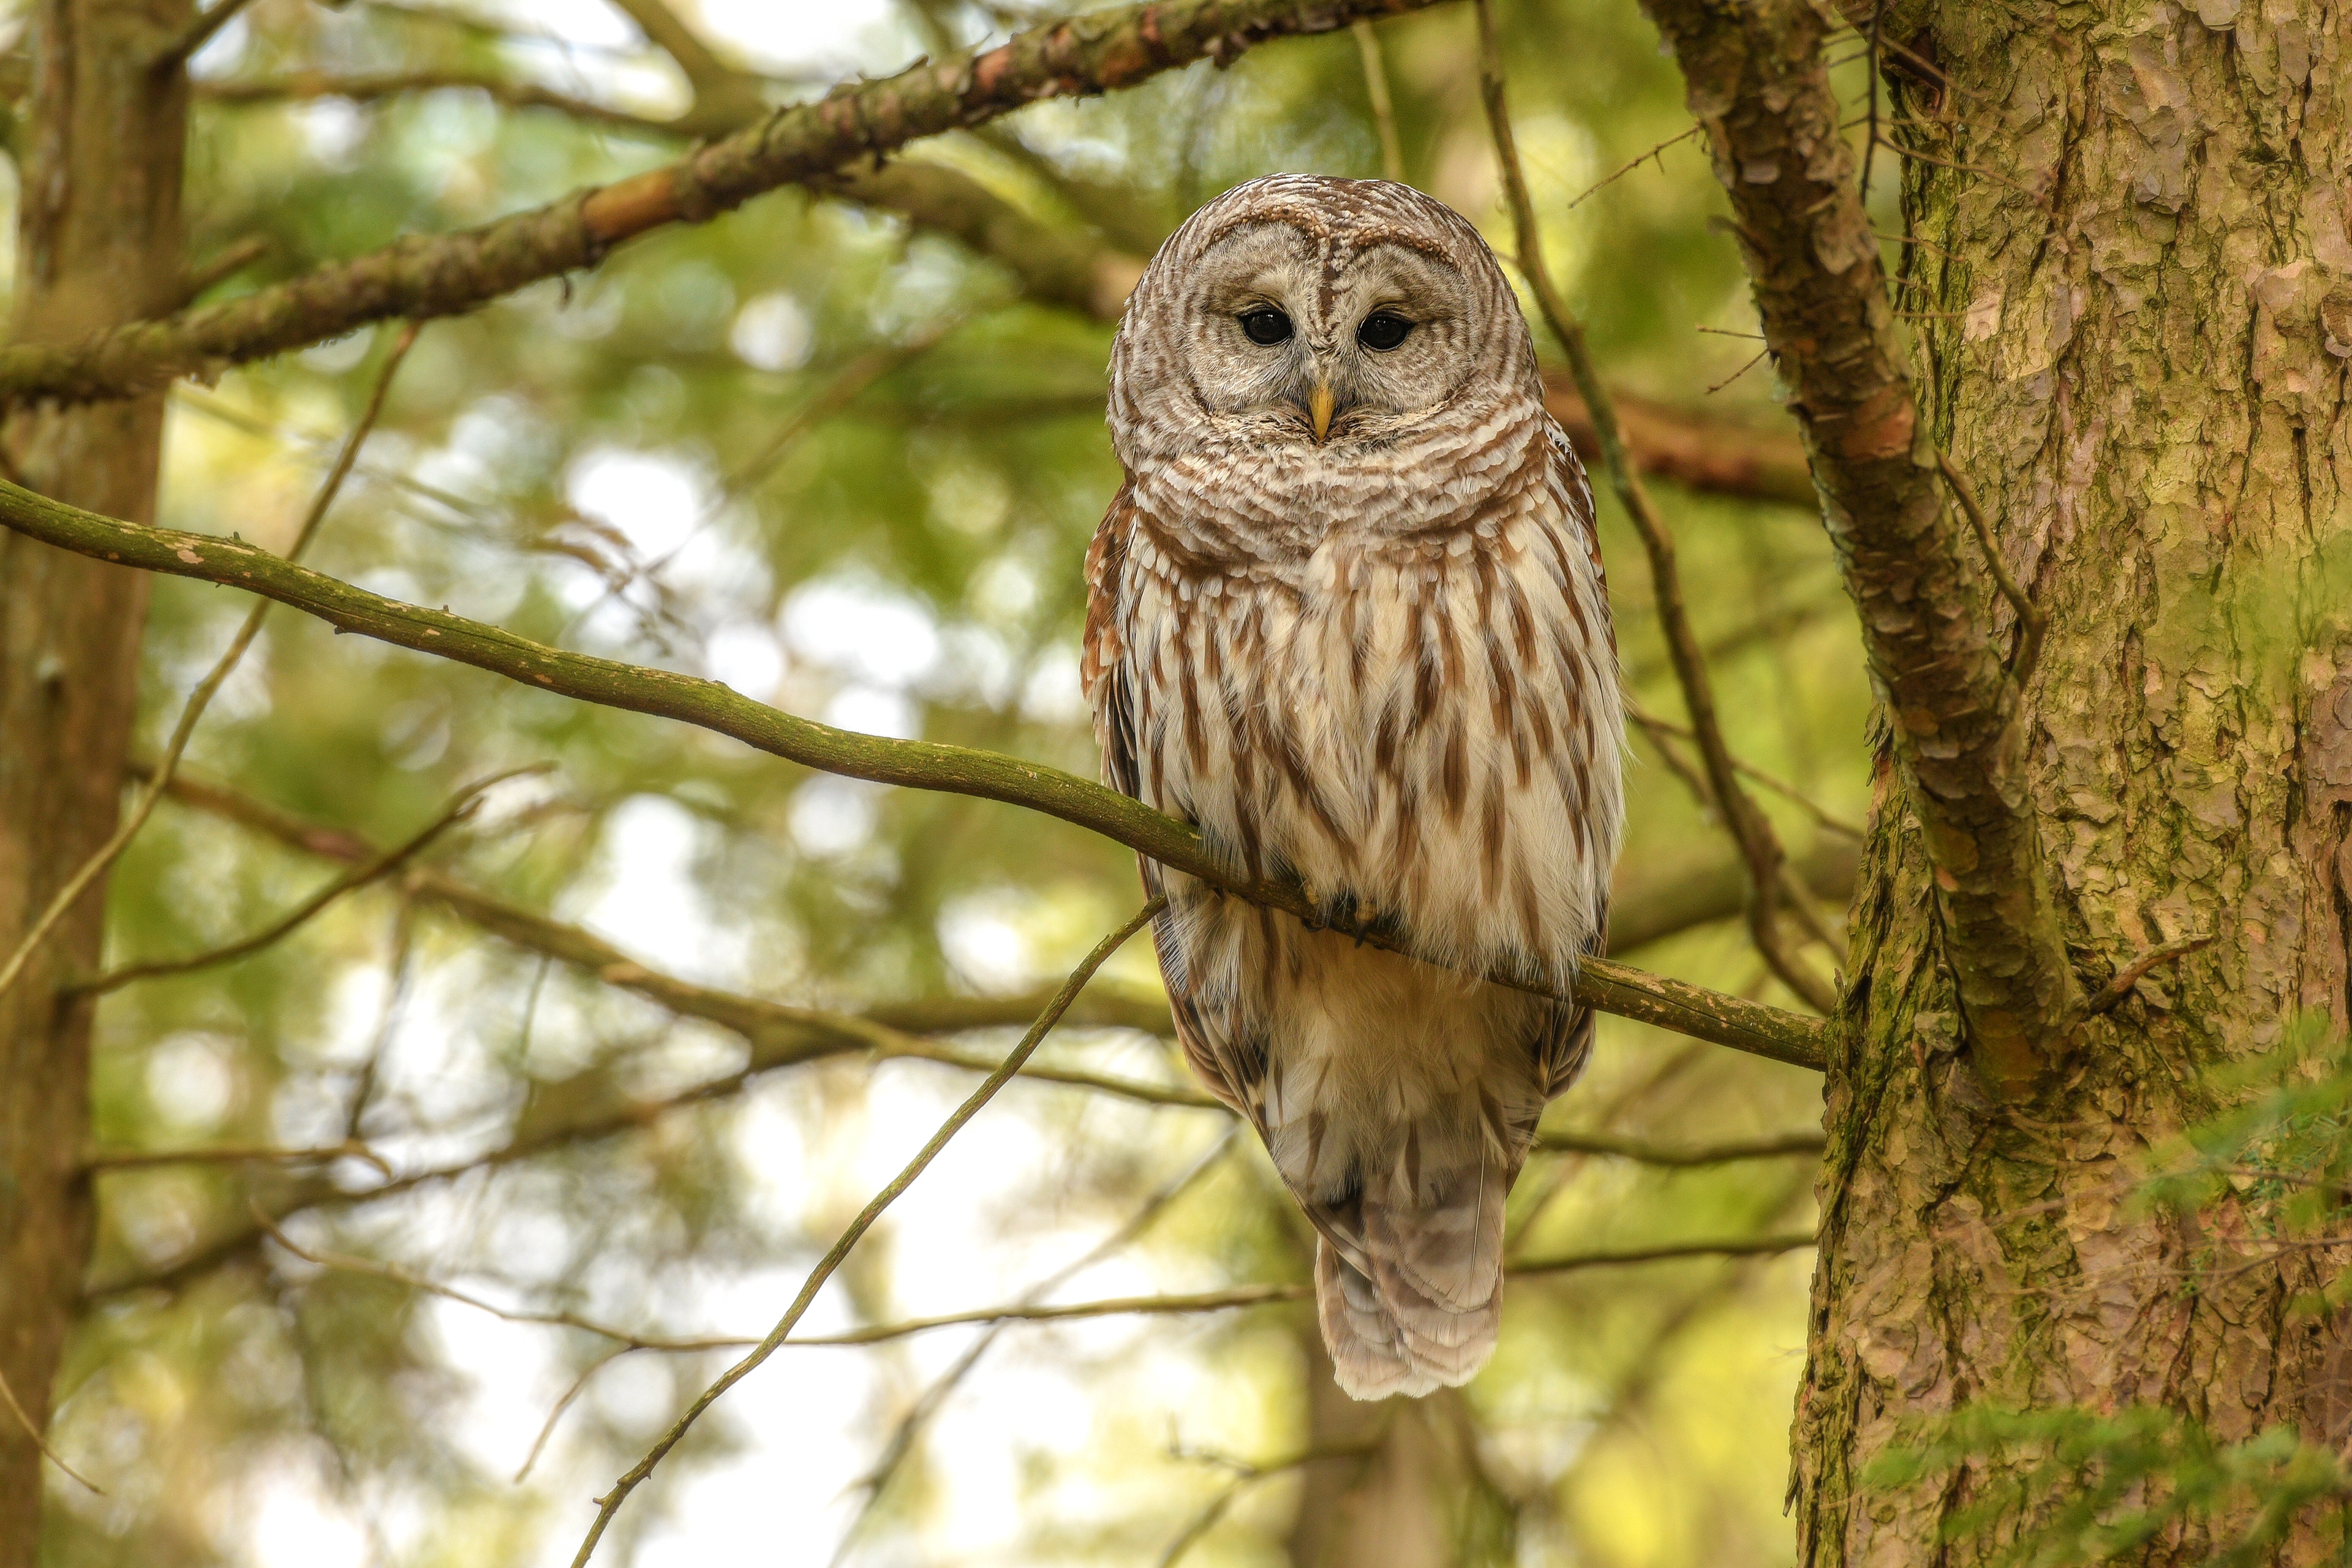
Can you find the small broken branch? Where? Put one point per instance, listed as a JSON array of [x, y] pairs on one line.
[[2113, 992], [2032, 620]]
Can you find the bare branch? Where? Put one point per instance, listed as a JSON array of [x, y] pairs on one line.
[[1376, 88], [1784, 1146], [1625, 1256], [903, 1435], [25, 1420], [237, 1154], [193, 710], [346, 1264], [610, 1503], [1779, 786], [421, 277], [462, 805], [1748, 824], [1601, 984], [1757, 81], [1701, 452], [302, 87]]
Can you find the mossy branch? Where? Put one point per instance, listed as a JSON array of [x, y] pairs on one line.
[[421, 277], [1757, 81], [1611, 988]]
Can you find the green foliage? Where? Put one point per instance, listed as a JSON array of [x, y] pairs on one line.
[[2071, 1486], [2066, 1485]]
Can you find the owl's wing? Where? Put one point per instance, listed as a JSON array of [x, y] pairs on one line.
[[1108, 672], [1103, 668]]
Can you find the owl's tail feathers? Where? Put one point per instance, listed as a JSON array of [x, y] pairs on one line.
[[1419, 1310]]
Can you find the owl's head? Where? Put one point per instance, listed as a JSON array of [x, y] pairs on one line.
[[1320, 315]]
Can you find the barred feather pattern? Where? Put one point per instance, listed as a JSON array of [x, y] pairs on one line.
[[1383, 663]]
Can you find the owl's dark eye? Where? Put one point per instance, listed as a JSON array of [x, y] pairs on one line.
[[1266, 326], [1383, 331]]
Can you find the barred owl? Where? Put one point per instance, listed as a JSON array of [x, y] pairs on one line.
[[1346, 618]]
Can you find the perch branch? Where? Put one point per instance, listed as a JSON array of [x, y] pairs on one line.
[[1601, 984], [1759, 83]]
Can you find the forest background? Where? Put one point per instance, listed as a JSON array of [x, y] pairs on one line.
[[842, 449]]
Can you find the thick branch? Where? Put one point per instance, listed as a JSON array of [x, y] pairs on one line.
[[1698, 451], [1611, 988], [422, 276], [1758, 84]]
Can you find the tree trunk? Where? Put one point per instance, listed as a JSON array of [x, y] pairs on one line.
[[100, 245], [2136, 300], [1385, 1507]]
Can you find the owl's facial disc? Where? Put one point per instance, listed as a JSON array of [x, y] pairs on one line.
[[1318, 340]]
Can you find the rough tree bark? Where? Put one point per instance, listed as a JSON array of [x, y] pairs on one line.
[[100, 245], [2134, 286]]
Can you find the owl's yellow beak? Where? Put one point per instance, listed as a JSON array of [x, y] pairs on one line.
[[1318, 408]]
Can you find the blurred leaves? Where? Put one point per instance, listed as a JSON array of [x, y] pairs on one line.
[[838, 462]]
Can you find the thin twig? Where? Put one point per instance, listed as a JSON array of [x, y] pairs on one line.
[[579, 1385], [343, 1263], [1877, 17], [1756, 359], [1622, 170], [1247, 1474], [1614, 1257], [461, 806], [201, 698], [910, 1426], [1759, 845], [197, 34], [1376, 88], [610, 1503], [1658, 726], [2113, 992], [238, 1154], [2033, 621], [25, 1421]]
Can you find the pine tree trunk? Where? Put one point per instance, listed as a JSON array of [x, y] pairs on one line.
[[2135, 303], [100, 244]]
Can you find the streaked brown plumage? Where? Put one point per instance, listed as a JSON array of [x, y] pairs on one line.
[[1377, 655]]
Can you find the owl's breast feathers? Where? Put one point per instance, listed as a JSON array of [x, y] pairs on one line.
[[1424, 723]]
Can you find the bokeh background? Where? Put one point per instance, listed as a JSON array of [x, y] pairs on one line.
[[849, 465]]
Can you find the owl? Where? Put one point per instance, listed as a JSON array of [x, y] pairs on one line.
[[1345, 616]]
